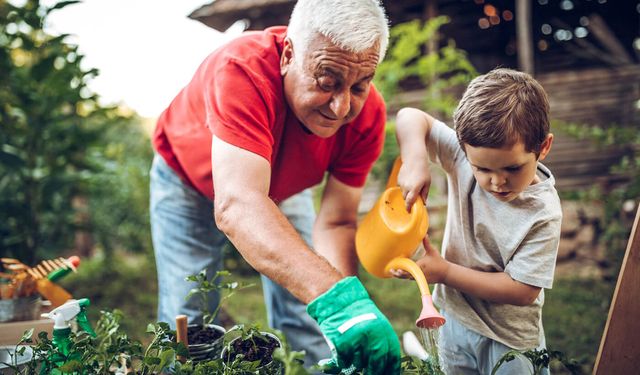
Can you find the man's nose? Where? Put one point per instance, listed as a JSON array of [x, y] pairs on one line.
[[340, 104]]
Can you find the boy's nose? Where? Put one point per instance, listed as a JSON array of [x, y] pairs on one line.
[[498, 180]]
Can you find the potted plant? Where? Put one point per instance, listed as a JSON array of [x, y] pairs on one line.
[[205, 340], [251, 351]]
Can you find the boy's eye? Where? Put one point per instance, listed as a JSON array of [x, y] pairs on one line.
[[513, 169], [480, 169]]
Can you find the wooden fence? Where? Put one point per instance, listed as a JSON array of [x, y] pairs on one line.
[[599, 97]]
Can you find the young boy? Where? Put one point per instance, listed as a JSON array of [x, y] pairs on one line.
[[503, 221]]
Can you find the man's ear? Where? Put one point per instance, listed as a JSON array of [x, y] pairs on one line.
[[286, 59], [546, 146]]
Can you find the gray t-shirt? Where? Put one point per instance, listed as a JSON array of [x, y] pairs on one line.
[[519, 237]]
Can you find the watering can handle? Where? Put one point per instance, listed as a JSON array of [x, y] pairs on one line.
[[393, 176]]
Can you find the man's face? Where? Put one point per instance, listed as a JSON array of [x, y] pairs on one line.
[[505, 172], [326, 87]]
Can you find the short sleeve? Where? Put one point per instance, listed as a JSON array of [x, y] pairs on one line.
[[443, 147], [240, 109], [534, 261]]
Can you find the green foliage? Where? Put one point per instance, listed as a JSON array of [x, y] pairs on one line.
[[438, 71], [45, 132], [614, 223], [411, 365], [206, 286], [574, 316], [539, 359], [118, 204], [59, 148], [109, 285]]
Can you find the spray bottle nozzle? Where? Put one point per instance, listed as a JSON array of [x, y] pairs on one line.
[[72, 309]]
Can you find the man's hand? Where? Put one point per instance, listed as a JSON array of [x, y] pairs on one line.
[[359, 335]]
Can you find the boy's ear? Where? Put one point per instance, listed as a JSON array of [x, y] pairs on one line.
[[546, 147]]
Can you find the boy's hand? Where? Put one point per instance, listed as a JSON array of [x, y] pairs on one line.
[[414, 178], [432, 264]]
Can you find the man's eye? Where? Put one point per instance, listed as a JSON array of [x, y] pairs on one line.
[[359, 89], [326, 84]]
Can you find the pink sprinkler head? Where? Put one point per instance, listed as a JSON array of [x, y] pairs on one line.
[[429, 316]]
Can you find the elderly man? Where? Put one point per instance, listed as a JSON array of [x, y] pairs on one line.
[[264, 118]]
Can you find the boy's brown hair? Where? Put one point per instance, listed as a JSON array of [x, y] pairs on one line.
[[501, 108]]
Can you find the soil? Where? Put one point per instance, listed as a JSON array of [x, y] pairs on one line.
[[198, 335], [262, 350]]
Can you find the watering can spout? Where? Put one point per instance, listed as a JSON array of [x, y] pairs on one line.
[[387, 237], [429, 316]]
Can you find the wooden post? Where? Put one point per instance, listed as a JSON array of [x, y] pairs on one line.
[[431, 11], [620, 348], [524, 36]]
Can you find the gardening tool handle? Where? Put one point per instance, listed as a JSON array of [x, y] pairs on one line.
[[410, 266], [181, 333], [53, 292]]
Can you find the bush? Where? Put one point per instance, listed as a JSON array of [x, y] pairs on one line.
[[68, 165]]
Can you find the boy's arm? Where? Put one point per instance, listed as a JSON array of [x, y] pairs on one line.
[[412, 132], [496, 287]]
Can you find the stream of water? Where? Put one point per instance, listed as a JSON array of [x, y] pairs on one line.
[[430, 343]]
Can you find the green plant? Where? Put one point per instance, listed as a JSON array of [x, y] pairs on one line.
[[63, 169], [104, 354], [205, 286], [615, 224], [412, 365], [441, 72], [539, 359], [248, 349], [438, 70]]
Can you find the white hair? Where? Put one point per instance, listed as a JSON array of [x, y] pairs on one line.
[[353, 25]]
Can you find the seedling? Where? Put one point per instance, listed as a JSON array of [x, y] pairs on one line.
[[204, 288], [539, 359]]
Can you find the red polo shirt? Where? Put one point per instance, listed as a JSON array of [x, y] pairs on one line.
[[237, 94]]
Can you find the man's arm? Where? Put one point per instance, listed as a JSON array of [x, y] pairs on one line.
[[257, 228], [335, 228]]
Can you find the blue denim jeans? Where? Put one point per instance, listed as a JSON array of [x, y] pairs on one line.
[[465, 352], [186, 241]]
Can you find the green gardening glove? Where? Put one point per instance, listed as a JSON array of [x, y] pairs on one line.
[[357, 333]]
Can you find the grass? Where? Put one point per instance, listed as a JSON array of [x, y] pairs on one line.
[[574, 317]]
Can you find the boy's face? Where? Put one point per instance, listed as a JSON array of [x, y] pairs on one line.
[[506, 172]]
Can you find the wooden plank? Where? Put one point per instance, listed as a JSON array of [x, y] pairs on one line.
[[619, 351]]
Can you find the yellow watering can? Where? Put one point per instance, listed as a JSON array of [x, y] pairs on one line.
[[388, 236]]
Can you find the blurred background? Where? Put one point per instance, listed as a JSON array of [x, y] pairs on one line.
[[81, 84]]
